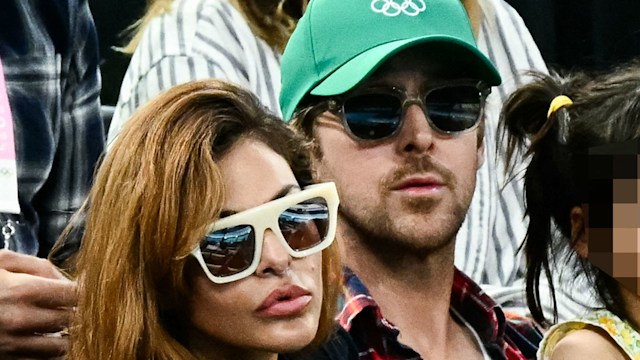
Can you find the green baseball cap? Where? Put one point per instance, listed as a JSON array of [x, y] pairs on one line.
[[339, 43]]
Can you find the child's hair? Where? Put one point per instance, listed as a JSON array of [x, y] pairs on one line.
[[155, 194], [605, 110]]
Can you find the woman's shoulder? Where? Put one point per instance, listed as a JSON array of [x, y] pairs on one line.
[[339, 346]]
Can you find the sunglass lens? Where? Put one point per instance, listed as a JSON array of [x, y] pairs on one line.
[[305, 225], [455, 108], [229, 251], [372, 116]]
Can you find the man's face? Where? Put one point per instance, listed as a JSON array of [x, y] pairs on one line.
[[409, 192]]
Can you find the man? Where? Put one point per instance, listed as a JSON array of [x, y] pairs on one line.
[[49, 101], [393, 95]]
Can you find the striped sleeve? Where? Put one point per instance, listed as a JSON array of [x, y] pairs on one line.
[[166, 73], [487, 247], [198, 39]]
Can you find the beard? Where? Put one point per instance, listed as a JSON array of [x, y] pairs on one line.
[[428, 226], [395, 240]]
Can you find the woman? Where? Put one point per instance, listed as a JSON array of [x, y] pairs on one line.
[[583, 135], [177, 41], [201, 241]]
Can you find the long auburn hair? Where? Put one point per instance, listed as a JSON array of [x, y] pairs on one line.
[[605, 110], [271, 20], [155, 193]]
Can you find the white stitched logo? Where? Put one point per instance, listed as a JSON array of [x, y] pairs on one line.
[[392, 8]]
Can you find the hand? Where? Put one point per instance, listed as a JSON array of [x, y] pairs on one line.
[[35, 299]]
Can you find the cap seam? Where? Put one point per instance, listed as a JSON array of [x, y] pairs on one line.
[[311, 38]]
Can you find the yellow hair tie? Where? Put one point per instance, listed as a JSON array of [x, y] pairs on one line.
[[557, 103]]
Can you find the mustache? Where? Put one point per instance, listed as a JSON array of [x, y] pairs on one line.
[[420, 165]]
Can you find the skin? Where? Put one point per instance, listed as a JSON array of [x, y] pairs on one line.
[[587, 344], [368, 174], [592, 341], [35, 299], [401, 242], [474, 12], [224, 317]]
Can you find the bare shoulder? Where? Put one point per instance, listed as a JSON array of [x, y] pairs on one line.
[[591, 343]]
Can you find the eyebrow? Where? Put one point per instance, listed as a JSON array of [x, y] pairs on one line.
[[376, 82], [284, 191]]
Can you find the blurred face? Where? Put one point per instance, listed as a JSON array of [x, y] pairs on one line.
[[613, 228], [408, 192], [277, 308]]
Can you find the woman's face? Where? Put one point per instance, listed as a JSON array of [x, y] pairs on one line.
[[237, 316]]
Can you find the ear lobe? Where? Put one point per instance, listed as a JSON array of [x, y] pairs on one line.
[[480, 154], [579, 238]]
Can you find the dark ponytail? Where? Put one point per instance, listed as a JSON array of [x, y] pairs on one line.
[[605, 109], [547, 180]]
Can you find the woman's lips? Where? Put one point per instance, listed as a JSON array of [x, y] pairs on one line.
[[285, 302]]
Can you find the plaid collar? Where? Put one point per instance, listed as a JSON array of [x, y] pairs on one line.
[[377, 338]]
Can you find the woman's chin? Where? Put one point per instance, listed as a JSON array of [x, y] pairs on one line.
[[286, 338]]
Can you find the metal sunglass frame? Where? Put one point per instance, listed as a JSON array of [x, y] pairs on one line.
[[335, 105]]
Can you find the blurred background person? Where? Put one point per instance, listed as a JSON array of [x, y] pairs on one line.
[[181, 40], [50, 140]]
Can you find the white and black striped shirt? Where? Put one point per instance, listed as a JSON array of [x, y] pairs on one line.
[[198, 39], [487, 243]]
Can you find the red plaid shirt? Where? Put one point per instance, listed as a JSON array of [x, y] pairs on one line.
[[377, 339]]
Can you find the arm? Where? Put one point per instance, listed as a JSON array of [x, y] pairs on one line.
[[78, 131], [587, 344], [193, 44], [35, 298]]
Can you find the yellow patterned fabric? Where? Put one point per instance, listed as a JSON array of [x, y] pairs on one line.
[[627, 338]]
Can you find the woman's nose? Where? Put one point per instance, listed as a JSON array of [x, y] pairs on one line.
[[275, 259]]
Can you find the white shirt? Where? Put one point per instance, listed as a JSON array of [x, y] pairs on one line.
[[488, 241], [198, 39]]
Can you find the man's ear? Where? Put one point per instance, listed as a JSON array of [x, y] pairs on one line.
[[480, 150], [579, 237]]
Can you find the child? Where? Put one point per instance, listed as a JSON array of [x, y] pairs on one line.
[[583, 137]]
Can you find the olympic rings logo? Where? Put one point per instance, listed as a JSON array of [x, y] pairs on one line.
[[392, 8]]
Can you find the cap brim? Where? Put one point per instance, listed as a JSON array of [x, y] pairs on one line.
[[361, 66]]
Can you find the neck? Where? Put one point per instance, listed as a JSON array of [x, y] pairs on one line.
[[475, 14], [632, 306], [205, 347], [413, 292]]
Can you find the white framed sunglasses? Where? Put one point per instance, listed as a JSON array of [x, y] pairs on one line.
[[304, 222]]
